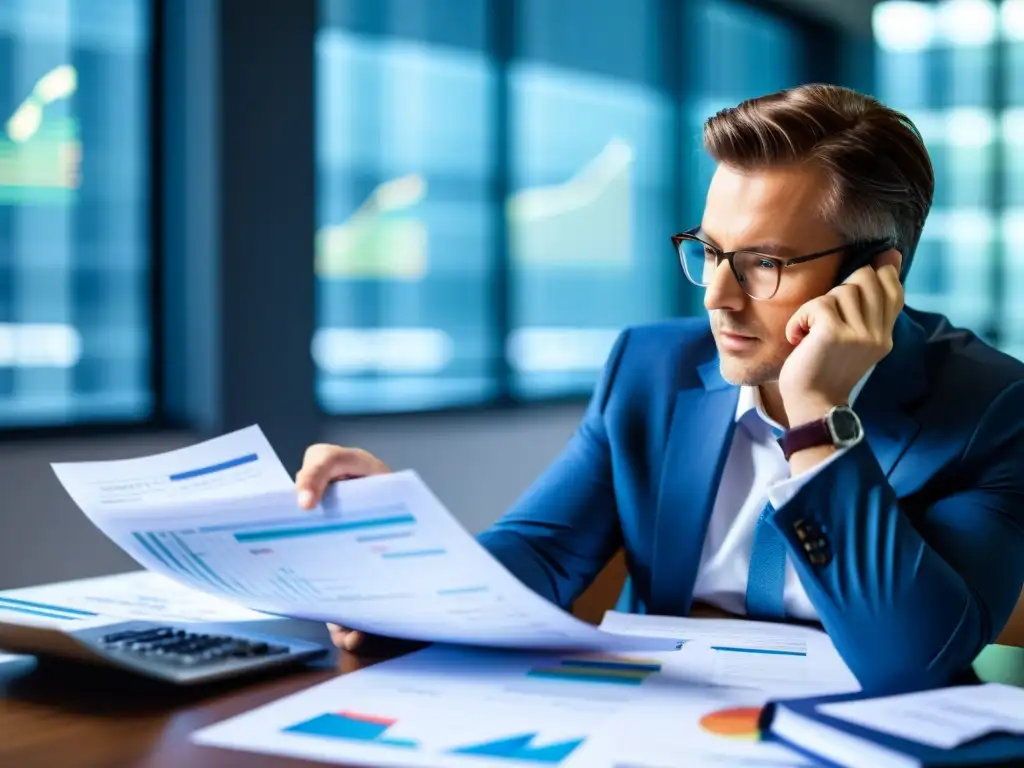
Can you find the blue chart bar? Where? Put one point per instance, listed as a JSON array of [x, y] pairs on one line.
[[46, 610], [235, 527], [197, 562], [734, 649], [297, 584], [214, 468], [413, 553], [317, 530], [521, 748], [159, 553], [175, 555], [384, 536]]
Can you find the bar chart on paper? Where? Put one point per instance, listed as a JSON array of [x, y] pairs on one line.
[[378, 730], [352, 726], [269, 559], [606, 670], [33, 609]]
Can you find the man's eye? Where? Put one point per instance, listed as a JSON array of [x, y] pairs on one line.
[[766, 264]]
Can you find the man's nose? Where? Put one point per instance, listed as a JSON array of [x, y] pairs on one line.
[[724, 290]]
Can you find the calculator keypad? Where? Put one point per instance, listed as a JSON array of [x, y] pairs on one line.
[[178, 647]]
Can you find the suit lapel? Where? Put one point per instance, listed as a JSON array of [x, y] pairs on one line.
[[898, 382], [703, 420]]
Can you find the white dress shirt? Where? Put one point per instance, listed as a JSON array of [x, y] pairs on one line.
[[756, 472]]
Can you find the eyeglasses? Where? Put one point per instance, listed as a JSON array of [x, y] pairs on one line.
[[757, 273]]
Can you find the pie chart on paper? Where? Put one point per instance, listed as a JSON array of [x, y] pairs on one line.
[[735, 723]]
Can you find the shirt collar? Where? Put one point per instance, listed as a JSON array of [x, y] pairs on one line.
[[750, 400]]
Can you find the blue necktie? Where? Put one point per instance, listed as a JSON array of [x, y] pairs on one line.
[[766, 579]]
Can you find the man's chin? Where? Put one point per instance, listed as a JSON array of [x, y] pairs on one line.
[[746, 373]]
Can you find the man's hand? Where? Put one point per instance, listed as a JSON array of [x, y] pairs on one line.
[[322, 465], [838, 337], [346, 639]]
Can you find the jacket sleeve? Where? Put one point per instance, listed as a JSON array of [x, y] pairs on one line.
[[910, 605], [563, 530]]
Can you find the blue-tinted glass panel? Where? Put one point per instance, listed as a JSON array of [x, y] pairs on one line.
[[740, 52], [939, 69], [75, 324], [1012, 133], [590, 211], [405, 228]]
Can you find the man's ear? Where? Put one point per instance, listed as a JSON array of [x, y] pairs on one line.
[[892, 256]]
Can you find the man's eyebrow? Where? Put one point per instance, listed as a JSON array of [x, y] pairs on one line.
[[768, 247]]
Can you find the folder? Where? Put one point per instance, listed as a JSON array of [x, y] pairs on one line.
[[799, 725]]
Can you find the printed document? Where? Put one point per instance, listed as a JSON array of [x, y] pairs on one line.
[[138, 595], [943, 717], [790, 659], [381, 554], [86, 603], [451, 707]]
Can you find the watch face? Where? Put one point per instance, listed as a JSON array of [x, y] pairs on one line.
[[845, 425]]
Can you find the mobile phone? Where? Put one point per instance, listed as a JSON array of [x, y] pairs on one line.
[[860, 257]]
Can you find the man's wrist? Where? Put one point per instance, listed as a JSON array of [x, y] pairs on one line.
[[808, 408]]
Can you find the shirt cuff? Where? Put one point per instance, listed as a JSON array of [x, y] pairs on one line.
[[783, 491]]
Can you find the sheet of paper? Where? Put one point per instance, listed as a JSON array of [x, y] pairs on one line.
[[381, 554], [448, 707], [238, 463], [943, 718], [137, 595], [789, 658]]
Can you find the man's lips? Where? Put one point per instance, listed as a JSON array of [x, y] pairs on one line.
[[736, 342]]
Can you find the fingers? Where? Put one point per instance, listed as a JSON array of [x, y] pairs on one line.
[[892, 288], [323, 464], [820, 313], [870, 300], [891, 258], [850, 306], [346, 639]]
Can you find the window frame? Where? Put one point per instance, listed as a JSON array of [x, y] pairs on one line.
[[154, 159], [825, 46]]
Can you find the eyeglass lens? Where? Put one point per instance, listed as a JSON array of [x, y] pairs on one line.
[[758, 276]]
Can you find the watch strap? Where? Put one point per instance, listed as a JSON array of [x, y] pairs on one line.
[[810, 435]]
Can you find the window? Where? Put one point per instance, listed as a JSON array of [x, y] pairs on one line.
[[590, 208], [74, 207], [418, 183], [753, 53], [404, 254], [939, 63]]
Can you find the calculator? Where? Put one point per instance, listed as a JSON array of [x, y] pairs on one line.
[[185, 654]]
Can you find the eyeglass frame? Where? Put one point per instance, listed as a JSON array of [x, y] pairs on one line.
[[874, 246]]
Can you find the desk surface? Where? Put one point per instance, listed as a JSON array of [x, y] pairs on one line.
[[60, 715]]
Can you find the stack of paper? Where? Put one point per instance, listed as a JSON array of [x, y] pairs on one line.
[[380, 554], [449, 707]]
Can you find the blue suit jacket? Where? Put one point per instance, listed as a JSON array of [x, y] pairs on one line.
[[924, 520]]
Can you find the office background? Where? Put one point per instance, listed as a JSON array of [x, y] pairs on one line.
[[415, 226]]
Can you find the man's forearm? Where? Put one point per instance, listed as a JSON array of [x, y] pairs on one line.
[[901, 616]]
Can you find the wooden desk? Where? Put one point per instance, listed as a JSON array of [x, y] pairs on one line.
[[57, 714], [70, 716]]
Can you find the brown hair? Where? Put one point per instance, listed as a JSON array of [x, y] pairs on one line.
[[882, 181]]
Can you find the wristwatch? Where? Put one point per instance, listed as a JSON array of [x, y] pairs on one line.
[[840, 427]]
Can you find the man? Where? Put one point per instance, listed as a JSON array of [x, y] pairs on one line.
[[811, 450]]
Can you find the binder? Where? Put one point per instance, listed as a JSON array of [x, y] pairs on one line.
[[797, 724]]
